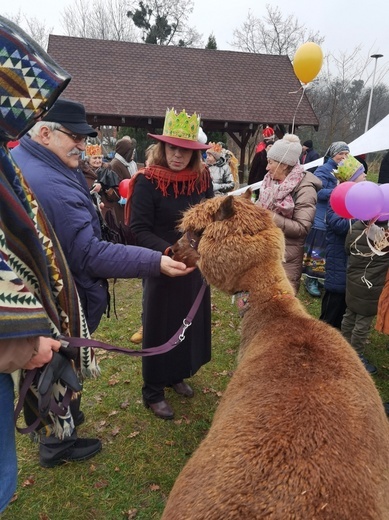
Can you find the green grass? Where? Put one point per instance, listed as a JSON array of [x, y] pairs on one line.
[[142, 455]]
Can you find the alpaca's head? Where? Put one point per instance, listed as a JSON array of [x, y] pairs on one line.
[[234, 236]]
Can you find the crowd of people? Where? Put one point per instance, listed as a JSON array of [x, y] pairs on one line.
[[57, 193], [54, 281], [333, 254]]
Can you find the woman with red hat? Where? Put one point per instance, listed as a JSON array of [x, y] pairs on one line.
[[176, 179]]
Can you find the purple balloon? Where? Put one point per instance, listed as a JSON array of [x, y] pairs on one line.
[[365, 200], [385, 208]]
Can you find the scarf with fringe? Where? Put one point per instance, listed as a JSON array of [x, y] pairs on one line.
[[184, 182]]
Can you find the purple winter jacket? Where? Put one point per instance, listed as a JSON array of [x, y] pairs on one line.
[[64, 196]]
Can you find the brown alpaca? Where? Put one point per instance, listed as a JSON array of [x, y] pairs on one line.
[[300, 432]]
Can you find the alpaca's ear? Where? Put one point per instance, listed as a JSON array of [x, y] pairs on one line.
[[247, 194], [226, 209]]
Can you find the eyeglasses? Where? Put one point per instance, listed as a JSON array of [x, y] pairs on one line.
[[76, 137]]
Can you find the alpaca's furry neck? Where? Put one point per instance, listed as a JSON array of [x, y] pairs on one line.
[[265, 286], [270, 295]]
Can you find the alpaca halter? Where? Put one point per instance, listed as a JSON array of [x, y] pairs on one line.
[[242, 299], [282, 294]]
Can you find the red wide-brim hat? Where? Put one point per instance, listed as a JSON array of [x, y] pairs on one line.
[[182, 143]]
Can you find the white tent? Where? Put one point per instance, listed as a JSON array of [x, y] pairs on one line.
[[374, 140]]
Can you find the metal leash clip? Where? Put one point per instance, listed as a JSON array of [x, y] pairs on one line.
[[186, 324]]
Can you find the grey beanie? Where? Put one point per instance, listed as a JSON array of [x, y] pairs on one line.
[[286, 150]]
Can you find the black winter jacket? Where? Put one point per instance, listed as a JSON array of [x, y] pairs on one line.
[[365, 274]]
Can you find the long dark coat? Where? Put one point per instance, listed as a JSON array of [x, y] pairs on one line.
[[166, 301]]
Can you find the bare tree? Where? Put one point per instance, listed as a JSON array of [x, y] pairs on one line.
[[273, 34], [34, 27], [164, 22], [101, 20], [341, 94]]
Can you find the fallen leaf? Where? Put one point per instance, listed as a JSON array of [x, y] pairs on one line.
[[115, 431], [133, 434], [124, 405], [114, 412], [101, 484], [30, 481], [131, 513], [154, 487]]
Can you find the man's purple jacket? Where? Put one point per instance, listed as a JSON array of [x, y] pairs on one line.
[[63, 194]]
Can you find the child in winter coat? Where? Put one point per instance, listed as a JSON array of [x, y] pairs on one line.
[[333, 305], [366, 272], [221, 174]]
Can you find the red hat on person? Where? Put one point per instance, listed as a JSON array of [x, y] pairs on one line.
[[268, 133]]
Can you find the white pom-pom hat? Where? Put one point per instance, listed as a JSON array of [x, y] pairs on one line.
[[286, 150]]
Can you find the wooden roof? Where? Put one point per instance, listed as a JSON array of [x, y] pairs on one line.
[[132, 84]]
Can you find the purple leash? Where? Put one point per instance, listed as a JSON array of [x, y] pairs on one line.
[[173, 342]]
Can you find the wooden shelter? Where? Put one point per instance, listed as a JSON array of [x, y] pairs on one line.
[[132, 84]]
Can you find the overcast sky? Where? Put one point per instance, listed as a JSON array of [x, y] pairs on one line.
[[342, 23]]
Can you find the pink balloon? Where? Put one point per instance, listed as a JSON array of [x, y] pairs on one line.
[[337, 199], [123, 188], [385, 208], [364, 200]]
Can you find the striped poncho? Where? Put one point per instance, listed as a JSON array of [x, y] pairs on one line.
[[38, 296]]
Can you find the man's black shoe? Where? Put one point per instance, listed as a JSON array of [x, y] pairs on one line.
[[53, 452]]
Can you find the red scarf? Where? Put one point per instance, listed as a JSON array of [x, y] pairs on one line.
[[184, 182]]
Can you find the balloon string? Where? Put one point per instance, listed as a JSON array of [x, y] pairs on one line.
[[298, 104], [297, 91]]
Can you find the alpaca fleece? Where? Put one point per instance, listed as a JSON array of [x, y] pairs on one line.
[[301, 432]]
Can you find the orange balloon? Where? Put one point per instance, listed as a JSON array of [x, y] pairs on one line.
[[308, 61]]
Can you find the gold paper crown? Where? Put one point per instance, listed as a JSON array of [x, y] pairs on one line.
[[216, 147], [181, 125], [93, 150], [348, 168]]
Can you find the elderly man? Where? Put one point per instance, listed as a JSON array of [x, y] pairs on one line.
[[49, 158]]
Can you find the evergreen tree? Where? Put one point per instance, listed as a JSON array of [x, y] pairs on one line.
[[211, 42]]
